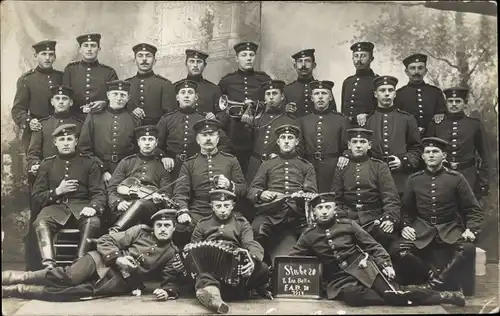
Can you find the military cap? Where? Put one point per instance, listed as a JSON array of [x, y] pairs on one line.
[[287, 128], [44, 46], [362, 47], [185, 84], [118, 85], [206, 125], [323, 84], [273, 84], [164, 214], [146, 130], [144, 47], [304, 53], [245, 46], [415, 58], [359, 133], [382, 80], [221, 195], [456, 92], [435, 142], [64, 130], [62, 90], [89, 38], [193, 53], [322, 198]]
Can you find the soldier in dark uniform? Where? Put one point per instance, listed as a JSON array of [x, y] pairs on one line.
[[243, 85], [424, 101], [299, 91], [276, 180], [440, 213], [366, 191], [121, 263], [145, 166], [467, 137], [209, 169], [264, 140], [88, 77], [109, 134], [357, 269], [323, 134], [357, 90], [68, 187], [151, 95], [208, 92], [229, 229], [32, 99], [176, 136], [396, 139]]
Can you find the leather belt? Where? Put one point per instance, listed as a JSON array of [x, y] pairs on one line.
[[112, 158], [460, 165], [320, 156], [363, 207], [262, 157], [436, 220]]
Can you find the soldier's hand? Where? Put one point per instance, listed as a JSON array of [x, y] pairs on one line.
[[34, 169], [247, 269], [395, 163], [408, 233], [162, 295], [268, 196], [468, 235], [96, 106], [106, 177], [156, 197], [438, 118], [126, 263], [67, 186], [35, 125], [210, 116], [223, 182], [184, 218], [168, 163], [123, 206], [137, 292], [342, 162], [389, 272], [421, 129], [138, 113], [291, 107], [361, 118], [387, 226], [88, 211]]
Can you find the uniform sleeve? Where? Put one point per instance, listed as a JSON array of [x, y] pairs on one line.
[[474, 216], [310, 184], [440, 103], [259, 183], [162, 137], [239, 186], [67, 77], [171, 279], [342, 101], [41, 192], [248, 242], [367, 244], [21, 104], [408, 204], [398, 100], [225, 144], [215, 100], [338, 183], [112, 75], [197, 234], [85, 141], [165, 179], [34, 154], [168, 101], [302, 247], [431, 129], [389, 195], [182, 189], [110, 246], [481, 142], [117, 177], [344, 126], [411, 159], [96, 188]]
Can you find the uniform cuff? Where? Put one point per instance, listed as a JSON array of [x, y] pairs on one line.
[[182, 211], [111, 257]]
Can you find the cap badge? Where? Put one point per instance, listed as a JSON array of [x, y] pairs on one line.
[[320, 86], [222, 197]]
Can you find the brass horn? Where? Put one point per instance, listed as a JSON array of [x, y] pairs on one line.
[[233, 108]]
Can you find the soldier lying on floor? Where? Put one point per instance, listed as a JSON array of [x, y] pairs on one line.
[[121, 263], [357, 269]]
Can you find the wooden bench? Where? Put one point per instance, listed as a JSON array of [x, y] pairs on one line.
[[66, 243]]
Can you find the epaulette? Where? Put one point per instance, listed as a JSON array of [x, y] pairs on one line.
[[163, 78], [418, 173], [308, 229], [76, 62], [208, 81], [404, 112], [343, 220], [49, 158], [473, 118], [170, 113], [106, 66], [261, 72], [226, 154], [376, 159], [289, 84], [453, 172], [130, 156], [44, 118], [192, 157], [304, 160], [241, 218], [130, 78], [77, 119], [206, 218], [27, 73], [228, 74], [338, 113]]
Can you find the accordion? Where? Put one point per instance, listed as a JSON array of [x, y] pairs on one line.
[[223, 261]]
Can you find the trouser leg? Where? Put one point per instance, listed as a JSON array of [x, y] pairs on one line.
[[45, 229], [408, 263], [262, 228], [360, 295], [463, 251], [89, 227], [139, 211]]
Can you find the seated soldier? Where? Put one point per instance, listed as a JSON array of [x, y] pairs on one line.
[[146, 167], [352, 262], [276, 180], [366, 191], [227, 228], [440, 215], [121, 263], [68, 187]]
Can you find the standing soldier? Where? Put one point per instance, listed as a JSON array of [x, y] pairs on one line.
[[208, 92], [32, 99], [323, 134], [299, 91], [151, 95], [88, 77], [357, 90], [467, 137], [242, 85], [424, 101], [396, 139], [68, 187]]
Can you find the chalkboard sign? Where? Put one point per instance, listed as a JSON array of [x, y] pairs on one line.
[[297, 277]]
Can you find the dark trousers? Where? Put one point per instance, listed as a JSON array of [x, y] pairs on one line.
[[54, 226], [31, 252]]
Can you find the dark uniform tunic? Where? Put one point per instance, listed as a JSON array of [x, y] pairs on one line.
[[395, 133], [88, 81], [109, 135], [42, 142], [300, 93], [324, 140], [466, 136], [421, 100], [152, 93], [90, 190], [357, 95], [176, 136], [32, 99], [208, 94]]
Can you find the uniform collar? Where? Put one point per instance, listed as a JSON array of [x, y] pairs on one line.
[[459, 115], [361, 159], [290, 155], [246, 72], [197, 78], [62, 115], [190, 110], [365, 72], [416, 85], [89, 63], [117, 111], [436, 173], [44, 70], [326, 225], [324, 112], [386, 110], [145, 75], [305, 80], [220, 221], [67, 156], [143, 157], [276, 110], [215, 152]]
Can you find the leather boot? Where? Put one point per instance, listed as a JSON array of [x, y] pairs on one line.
[[209, 297], [452, 297], [129, 218], [437, 280], [27, 277], [88, 232], [46, 245], [22, 291]]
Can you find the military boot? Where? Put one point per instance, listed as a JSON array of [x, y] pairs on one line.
[[452, 297], [22, 291], [45, 245], [209, 297], [128, 219], [23, 277]]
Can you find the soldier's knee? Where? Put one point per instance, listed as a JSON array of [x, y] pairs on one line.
[[93, 221], [41, 222], [468, 249], [401, 248]]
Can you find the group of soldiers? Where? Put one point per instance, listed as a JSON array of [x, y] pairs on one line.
[[393, 178]]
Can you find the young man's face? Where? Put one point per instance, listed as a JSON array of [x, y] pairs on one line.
[[163, 229], [145, 61], [274, 97], [222, 209], [433, 156], [195, 66], [89, 50], [287, 142], [245, 59], [208, 140], [362, 60], [118, 98], [416, 71], [359, 146], [61, 103], [46, 58], [187, 98], [385, 94], [304, 66], [455, 105], [66, 144], [147, 144], [321, 99], [324, 212]]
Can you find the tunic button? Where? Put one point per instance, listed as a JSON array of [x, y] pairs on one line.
[[343, 265], [88, 69]]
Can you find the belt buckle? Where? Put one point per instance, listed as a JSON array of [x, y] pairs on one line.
[[359, 206], [65, 199], [114, 158], [454, 165], [263, 157], [182, 157], [317, 155], [433, 220]]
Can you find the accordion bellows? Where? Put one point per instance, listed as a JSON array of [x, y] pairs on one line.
[[223, 261]]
